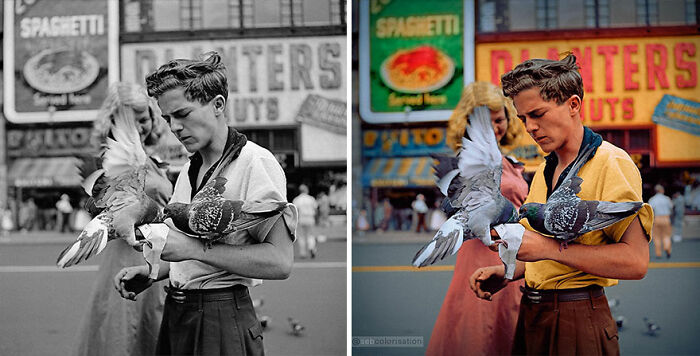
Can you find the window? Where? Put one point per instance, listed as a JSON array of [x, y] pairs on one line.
[[185, 15], [546, 14], [647, 12], [275, 140]]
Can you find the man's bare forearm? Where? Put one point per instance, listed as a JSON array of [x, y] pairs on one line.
[[627, 259]]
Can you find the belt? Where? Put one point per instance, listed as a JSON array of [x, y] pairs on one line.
[[536, 296], [206, 295]]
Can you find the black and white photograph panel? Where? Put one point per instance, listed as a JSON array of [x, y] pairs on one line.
[[173, 177], [525, 177]]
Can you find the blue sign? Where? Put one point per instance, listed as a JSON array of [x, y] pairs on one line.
[[404, 142], [678, 113]]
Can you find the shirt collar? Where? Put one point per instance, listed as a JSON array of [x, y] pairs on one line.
[[590, 139]]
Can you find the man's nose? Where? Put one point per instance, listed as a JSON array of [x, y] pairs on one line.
[[530, 126], [175, 125]]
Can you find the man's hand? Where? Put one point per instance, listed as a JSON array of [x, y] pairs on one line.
[[486, 281], [131, 281], [180, 247]]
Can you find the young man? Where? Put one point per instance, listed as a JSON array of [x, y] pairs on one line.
[[564, 309], [208, 310]]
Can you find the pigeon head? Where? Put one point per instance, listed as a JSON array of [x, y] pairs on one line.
[[175, 209], [529, 210]]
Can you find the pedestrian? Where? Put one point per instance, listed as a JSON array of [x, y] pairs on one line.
[[661, 232], [6, 220], [678, 216], [387, 210], [306, 205], [208, 309], [65, 209], [324, 209], [362, 222], [562, 285], [484, 328], [420, 208], [27, 215], [112, 325], [436, 217]]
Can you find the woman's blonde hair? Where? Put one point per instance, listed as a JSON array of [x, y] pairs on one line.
[[128, 95], [481, 94]]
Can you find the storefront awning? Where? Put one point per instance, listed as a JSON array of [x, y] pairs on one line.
[[399, 172], [44, 172]]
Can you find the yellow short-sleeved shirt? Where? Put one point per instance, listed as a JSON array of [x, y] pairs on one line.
[[609, 176]]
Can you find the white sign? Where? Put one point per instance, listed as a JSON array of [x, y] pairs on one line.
[[269, 78]]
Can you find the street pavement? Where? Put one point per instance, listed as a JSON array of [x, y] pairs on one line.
[[41, 306], [390, 298]]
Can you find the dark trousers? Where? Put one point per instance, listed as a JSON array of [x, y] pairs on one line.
[[210, 322], [421, 222], [582, 327]]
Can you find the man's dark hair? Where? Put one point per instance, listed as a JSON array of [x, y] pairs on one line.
[[202, 79], [557, 80]]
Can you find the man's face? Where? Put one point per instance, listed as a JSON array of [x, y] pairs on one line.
[[192, 123], [550, 124]]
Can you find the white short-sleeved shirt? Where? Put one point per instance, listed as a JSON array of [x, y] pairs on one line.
[[254, 175]]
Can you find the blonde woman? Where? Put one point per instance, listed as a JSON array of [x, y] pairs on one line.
[[466, 324], [113, 325]]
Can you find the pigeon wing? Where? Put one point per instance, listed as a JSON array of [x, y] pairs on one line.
[[608, 213], [447, 241], [91, 241]]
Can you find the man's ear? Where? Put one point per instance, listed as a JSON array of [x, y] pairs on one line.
[[219, 103], [575, 104]]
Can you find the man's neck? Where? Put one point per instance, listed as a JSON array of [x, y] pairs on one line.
[[568, 152], [215, 149]]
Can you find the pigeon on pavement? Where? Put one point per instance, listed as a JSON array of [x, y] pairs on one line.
[[472, 184], [565, 216], [652, 327], [297, 328]]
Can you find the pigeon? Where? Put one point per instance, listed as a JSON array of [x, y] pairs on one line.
[[652, 327], [210, 216], [471, 183], [297, 328], [265, 321], [619, 321], [117, 192], [565, 216]]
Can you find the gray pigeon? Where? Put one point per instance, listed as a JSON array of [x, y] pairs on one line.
[[565, 216], [472, 184], [652, 327]]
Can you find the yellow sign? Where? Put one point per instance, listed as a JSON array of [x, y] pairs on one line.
[[623, 78]]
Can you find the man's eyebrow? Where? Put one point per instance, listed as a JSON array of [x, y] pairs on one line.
[[177, 112]]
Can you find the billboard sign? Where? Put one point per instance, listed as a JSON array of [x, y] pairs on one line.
[[269, 78], [415, 57], [60, 57]]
